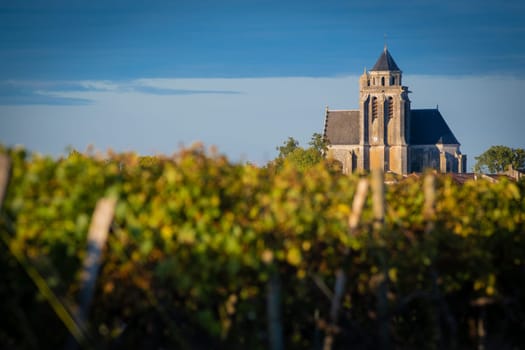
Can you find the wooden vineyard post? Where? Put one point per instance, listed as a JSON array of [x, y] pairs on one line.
[[444, 340], [357, 205], [5, 167], [97, 237], [378, 199], [441, 310], [339, 289], [378, 208], [340, 276], [480, 321], [429, 211], [429, 193], [273, 310]]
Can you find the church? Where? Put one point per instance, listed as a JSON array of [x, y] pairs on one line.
[[386, 133]]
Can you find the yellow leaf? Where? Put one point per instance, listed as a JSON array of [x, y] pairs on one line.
[[293, 256], [306, 245], [392, 274], [478, 285], [166, 232], [343, 208], [267, 256]]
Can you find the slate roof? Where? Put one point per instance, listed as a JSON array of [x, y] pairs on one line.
[[342, 127], [385, 62], [427, 127]]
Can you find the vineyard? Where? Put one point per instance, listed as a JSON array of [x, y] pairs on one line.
[[203, 253]]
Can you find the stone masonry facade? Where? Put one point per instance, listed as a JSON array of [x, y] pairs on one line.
[[386, 133]]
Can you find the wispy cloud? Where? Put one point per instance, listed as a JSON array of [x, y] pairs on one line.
[[13, 94], [77, 92], [96, 85], [164, 91], [162, 86]]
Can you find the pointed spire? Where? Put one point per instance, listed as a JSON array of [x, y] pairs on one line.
[[385, 62]]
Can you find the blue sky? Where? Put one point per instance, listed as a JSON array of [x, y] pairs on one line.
[[243, 75]]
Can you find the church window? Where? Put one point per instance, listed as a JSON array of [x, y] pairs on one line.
[[368, 82], [392, 80], [390, 107], [374, 108], [382, 81]]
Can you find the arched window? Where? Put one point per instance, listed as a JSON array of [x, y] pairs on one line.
[[374, 108], [390, 128], [382, 81], [368, 82], [392, 80], [374, 81]]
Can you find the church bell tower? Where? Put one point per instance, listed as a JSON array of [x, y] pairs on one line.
[[385, 112]]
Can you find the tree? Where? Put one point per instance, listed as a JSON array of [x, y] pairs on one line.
[[302, 158], [288, 147], [498, 158], [319, 143]]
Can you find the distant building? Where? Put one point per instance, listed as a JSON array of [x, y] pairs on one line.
[[386, 133]]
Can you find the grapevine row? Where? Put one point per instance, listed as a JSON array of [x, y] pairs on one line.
[[196, 239]]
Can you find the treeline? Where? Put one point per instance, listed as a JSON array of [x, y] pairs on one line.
[[203, 253]]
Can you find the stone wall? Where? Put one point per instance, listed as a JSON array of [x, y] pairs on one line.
[[443, 158], [349, 156]]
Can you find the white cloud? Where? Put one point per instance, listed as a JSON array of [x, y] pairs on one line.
[[102, 85]]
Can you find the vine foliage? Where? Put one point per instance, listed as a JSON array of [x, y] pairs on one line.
[[196, 239]]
